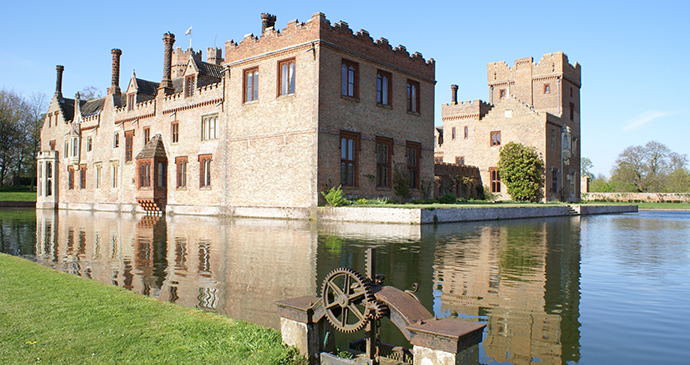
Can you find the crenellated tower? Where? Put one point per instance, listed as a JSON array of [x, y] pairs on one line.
[[180, 59], [551, 85]]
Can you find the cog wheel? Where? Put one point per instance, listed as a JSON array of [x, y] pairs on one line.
[[346, 295], [378, 309]]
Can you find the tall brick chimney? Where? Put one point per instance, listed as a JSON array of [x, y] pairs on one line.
[[454, 94], [115, 84], [58, 84], [166, 84], [267, 21]]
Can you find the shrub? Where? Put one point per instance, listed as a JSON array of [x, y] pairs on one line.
[[487, 194], [379, 201], [448, 198], [359, 201], [334, 197], [522, 171], [401, 182]]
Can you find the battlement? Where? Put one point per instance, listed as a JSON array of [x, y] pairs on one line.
[[180, 58], [472, 109], [549, 64], [210, 88], [138, 107], [338, 35]]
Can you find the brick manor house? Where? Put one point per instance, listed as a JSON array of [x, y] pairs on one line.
[[258, 132], [536, 104]]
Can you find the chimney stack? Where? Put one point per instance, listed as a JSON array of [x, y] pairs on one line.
[[166, 84], [58, 84], [454, 94], [115, 85], [267, 21]]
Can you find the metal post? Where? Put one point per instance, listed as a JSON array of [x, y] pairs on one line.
[[371, 326]]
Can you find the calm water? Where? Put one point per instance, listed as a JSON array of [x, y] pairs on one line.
[[609, 289]]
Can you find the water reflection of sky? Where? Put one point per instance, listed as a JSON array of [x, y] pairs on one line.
[[600, 289]]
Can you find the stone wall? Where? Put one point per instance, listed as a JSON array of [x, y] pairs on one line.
[[638, 197]]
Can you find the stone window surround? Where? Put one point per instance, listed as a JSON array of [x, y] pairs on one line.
[[209, 127]]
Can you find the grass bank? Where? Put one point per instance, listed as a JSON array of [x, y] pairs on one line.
[[57, 318], [17, 196]]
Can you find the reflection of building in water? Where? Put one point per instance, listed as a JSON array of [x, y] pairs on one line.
[[524, 278], [237, 268]]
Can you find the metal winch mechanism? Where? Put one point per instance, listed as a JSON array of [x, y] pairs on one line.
[[351, 302]]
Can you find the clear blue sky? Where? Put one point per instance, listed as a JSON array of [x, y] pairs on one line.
[[635, 56]]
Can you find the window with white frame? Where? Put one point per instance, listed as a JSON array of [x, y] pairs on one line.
[[287, 77], [209, 125]]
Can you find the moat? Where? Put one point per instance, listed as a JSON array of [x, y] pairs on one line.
[[584, 289]]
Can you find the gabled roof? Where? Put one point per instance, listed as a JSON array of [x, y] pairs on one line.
[[209, 69], [178, 84], [91, 106], [147, 87], [67, 108], [153, 149]]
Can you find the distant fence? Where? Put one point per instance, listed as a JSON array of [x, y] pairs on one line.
[[637, 197]]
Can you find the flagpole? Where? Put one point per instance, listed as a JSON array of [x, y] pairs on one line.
[[189, 33]]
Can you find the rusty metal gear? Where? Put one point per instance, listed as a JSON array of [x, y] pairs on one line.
[[377, 309], [346, 296]]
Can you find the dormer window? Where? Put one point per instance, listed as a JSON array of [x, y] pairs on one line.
[[189, 86], [130, 101]]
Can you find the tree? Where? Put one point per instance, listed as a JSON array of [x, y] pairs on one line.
[[522, 171], [90, 92], [11, 108], [600, 185], [629, 168], [20, 127], [34, 115], [652, 168], [585, 166]]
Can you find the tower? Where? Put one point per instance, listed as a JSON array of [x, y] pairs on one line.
[[551, 85]]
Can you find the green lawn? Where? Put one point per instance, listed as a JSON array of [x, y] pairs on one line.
[[57, 318], [17, 196]]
